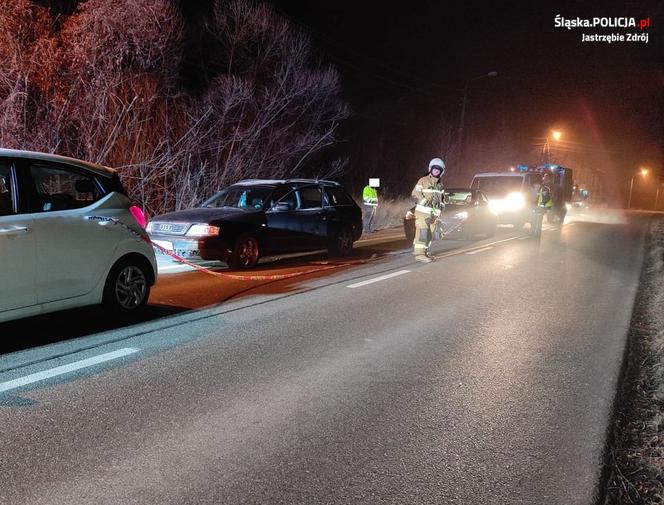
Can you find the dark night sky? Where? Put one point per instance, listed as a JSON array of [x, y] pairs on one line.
[[404, 66]]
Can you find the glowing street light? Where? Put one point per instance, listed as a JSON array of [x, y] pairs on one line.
[[644, 173], [546, 148]]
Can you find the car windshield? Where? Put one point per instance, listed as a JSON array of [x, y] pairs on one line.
[[459, 197], [240, 197], [498, 186]]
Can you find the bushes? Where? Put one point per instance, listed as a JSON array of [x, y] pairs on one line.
[[104, 84]]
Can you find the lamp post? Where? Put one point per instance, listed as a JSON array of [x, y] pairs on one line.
[[546, 149], [463, 103], [657, 195], [643, 172]]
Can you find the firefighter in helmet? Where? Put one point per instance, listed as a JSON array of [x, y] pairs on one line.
[[429, 197]]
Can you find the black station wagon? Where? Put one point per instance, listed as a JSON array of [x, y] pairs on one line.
[[257, 217]]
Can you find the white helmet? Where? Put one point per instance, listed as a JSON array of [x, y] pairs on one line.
[[437, 163]]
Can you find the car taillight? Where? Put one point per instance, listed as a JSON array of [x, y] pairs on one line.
[[138, 214]]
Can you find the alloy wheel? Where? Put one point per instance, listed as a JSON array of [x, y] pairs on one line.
[[130, 287]]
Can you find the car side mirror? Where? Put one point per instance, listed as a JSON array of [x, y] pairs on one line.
[[282, 206]]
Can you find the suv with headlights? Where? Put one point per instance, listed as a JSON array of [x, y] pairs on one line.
[[259, 217], [511, 195]]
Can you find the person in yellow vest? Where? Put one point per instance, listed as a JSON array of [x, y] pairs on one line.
[[370, 199], [545, 202], [430, 202]]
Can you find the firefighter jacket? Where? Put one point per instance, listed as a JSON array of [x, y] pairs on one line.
[[428, 192]]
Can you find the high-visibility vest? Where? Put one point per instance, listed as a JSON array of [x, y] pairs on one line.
[[370, 196], [542, 200]]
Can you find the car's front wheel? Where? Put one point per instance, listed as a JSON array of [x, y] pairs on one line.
[[245, 252], [127, 286], [341, 243]]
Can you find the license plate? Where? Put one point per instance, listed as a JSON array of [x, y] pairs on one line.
[[164, 244]]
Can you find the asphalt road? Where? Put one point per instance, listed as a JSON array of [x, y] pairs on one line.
[[485, 377]]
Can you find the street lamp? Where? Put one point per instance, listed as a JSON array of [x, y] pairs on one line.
[[643, 172], [463, 102], [546, 149]]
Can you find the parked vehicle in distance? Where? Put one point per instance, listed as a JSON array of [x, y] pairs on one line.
[[466, 216], [260, 217], [69, 237]]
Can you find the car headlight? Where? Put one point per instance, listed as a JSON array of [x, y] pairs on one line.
[[496, 206], [203, 230], [461, 215], [515, 201]]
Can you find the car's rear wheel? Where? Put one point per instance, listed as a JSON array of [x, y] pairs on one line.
[[246, 252], [341, 243], [127, 287]]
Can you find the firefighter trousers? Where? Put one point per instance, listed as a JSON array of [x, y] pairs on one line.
[[423, 233]]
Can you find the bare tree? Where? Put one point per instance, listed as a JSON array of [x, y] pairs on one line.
[[103, 85]]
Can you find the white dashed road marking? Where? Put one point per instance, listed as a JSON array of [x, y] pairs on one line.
[[378, 279], [64, 369], [480, 250]]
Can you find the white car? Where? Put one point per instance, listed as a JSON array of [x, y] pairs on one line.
[[69, 237]]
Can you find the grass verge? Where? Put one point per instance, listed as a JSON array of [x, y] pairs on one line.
[[635, 453]]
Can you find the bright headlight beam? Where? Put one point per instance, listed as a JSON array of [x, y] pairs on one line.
[[203, 230]]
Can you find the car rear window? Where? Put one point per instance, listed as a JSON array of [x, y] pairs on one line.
[[337, 196], [311, 197]]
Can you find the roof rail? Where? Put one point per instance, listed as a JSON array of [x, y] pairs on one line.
[[312, 181]]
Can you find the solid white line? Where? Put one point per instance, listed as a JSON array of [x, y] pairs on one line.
[[64, 369], [524, 238], [480, 250], [378, 279]]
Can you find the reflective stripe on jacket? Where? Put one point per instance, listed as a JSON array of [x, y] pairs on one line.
[[429, 193]]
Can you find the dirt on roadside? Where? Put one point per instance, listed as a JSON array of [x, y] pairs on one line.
[[635, 452]]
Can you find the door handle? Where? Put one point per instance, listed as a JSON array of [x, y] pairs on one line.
[[14, 230]]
